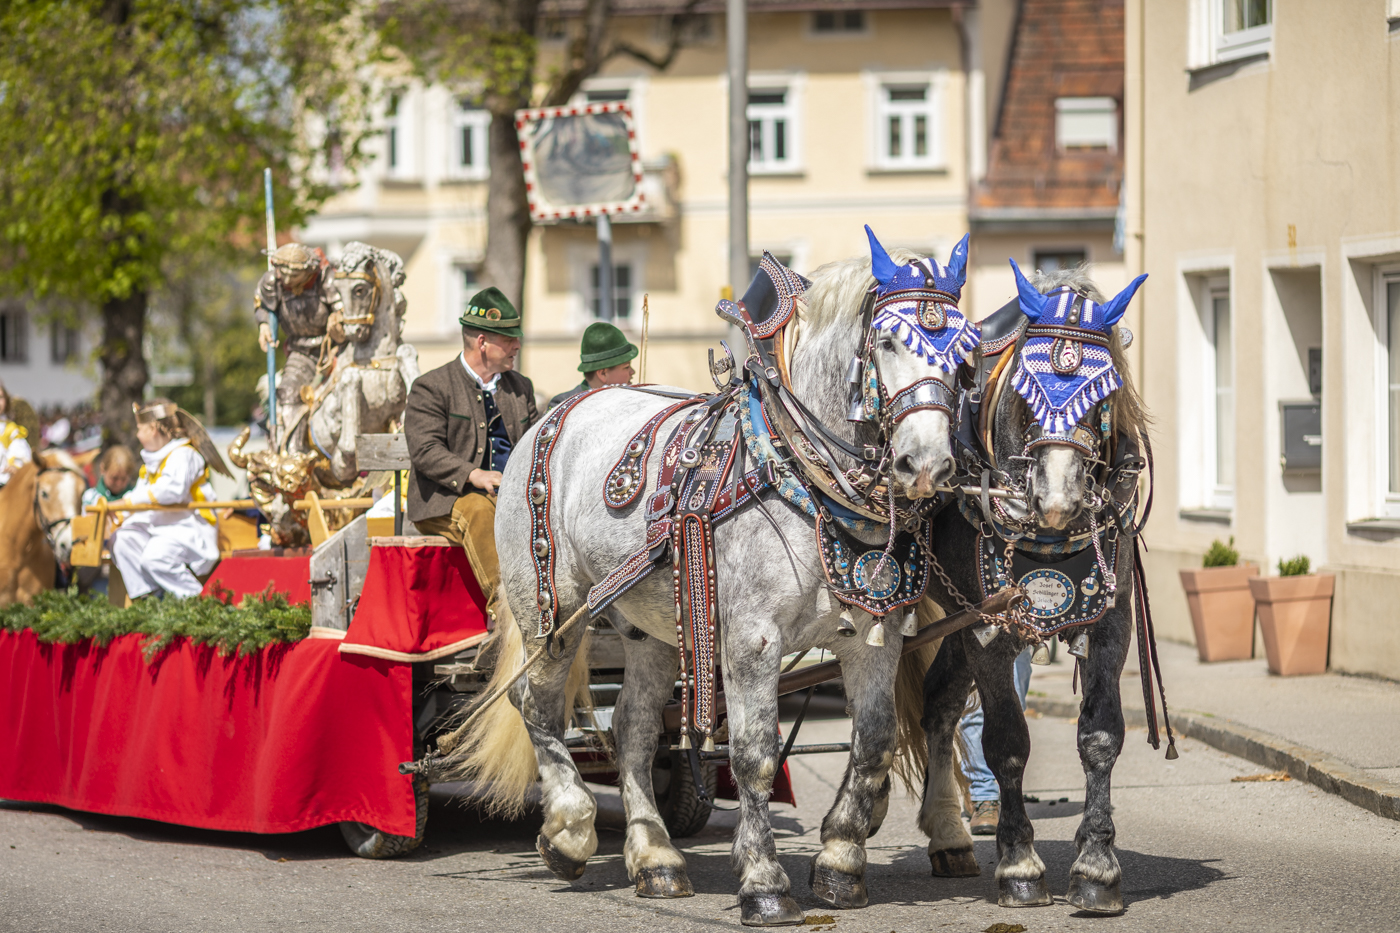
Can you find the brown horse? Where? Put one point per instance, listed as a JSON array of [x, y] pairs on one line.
[[36, 507]]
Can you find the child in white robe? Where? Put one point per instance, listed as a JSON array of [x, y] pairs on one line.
[[161, 550], [15, 451]]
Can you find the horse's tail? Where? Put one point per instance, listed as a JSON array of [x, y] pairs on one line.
[[496, 753], [911, 749]]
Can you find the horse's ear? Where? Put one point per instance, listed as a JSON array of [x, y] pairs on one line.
[[1114, 309], [1032, 301], [957, 262], [881, 265]]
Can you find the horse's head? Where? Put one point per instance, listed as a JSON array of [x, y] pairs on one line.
[[368, 279], [914, 343], [1068, 377], [58, 499]]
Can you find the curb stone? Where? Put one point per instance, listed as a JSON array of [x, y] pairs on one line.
[[1305, 764]]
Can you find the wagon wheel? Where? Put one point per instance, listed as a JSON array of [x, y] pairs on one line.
[[367, 842], [682, 810]]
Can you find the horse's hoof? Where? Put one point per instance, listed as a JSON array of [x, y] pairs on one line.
[[563, 867], [1017, 892], [769, 910], [664, 882], [837, 888], [1094, 896], [954, 863]]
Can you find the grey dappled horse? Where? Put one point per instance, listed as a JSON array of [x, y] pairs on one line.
[[772, 601], [1056, 474]]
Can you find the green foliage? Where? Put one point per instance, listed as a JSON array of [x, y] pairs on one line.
[[260, 620], [1294, 566], [133, 133], [1221, 554]]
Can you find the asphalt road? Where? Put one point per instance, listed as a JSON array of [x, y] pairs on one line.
[[1198, 851]]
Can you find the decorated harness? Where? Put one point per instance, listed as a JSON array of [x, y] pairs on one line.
[[752, 435]]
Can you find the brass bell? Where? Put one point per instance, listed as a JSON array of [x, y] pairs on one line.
[[685, 741], [876, 636], [910, 626], [708, 745], [1172, 754], [846, 625], [1079, 645], [1041, 655], [985, 633]]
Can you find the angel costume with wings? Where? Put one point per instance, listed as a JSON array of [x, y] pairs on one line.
[[168, 549]]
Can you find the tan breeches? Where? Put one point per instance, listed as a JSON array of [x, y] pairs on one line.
[[472, 524]]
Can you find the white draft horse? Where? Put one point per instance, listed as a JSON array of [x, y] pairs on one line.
[[772, 600]]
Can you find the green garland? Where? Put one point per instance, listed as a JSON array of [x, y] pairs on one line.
[[260, 620]]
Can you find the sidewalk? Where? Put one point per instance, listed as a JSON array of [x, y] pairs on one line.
[[1338, 732]]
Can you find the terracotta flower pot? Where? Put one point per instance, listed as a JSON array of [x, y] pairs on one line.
[[1295, 617], [1222, 611]]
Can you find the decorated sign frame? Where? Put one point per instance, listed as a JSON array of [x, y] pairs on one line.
[[535, 128]]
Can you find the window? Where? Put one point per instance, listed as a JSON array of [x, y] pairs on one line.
[[1220, 333], [606, 95], [468, 279], [1391, 343], [907, 134], [1228, 30], [63, 344], [1053, 260], [470, 126], [1086, 123], [833, 22], [772, 130], [393, 133], [622, 292], [14, 336]]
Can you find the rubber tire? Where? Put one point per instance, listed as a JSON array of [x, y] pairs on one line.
[[367, 842], [682, 810]]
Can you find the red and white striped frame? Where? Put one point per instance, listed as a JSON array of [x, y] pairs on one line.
[[541, 211]]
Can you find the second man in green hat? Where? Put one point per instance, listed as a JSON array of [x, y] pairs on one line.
[[605, 360]]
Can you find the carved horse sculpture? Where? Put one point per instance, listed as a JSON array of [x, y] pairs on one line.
[[368, 384], [37, 506], [773, 596], [1060, 423]]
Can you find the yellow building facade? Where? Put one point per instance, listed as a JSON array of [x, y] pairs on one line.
[[1261, 166], [861, 117]]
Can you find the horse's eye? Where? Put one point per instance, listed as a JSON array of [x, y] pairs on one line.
[[887, 344]]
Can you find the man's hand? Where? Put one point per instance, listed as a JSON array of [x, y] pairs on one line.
[[265, 338], [486, 480]]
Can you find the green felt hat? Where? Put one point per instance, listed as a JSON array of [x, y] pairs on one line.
[[604, 346], [492, 311]]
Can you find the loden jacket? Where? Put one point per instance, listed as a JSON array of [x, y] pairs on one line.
[[445, 426]]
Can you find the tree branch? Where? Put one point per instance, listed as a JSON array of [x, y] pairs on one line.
[[674, 41]]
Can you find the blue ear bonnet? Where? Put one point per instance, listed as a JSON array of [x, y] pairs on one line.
[[1065, 366], [918, 303]]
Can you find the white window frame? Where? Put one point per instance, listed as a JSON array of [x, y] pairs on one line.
[[478, 120], [1388, 502], [790, 112], [879, 85], [1219, 495], [1210, 44], [1065, 106], [400, 153], [633, 308]]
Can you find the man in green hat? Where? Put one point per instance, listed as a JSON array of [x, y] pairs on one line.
[[462, 422], [607, 357]]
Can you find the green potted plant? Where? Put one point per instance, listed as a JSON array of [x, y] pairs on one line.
[[1295, 617], [1222, 608]]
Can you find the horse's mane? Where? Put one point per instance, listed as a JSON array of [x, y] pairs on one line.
[[359, 255], [838, 288], [1129, 413]]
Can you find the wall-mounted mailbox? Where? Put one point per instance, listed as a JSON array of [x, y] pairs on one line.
[[1301, 436]]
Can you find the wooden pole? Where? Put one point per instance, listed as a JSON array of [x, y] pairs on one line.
[[642, 357]]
